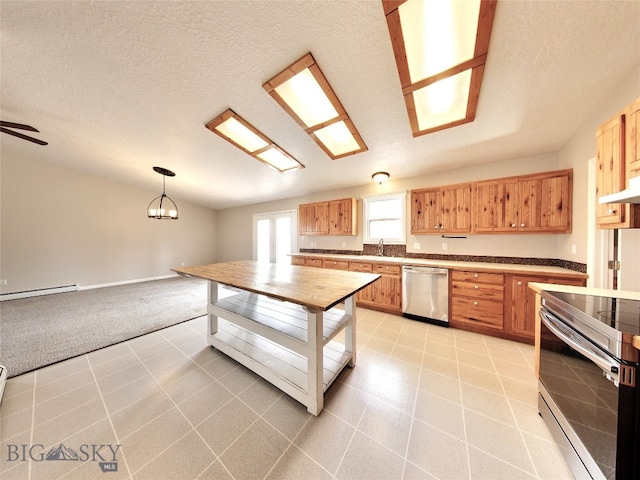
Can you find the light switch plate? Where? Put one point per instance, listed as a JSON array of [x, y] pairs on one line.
[[417, 246]]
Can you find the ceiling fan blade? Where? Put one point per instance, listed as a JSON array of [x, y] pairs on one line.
[[24, 137], [19, 126]]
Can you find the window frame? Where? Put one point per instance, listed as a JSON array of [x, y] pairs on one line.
[[366, 237]]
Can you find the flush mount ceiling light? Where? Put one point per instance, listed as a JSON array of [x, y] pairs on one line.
[[237, 131], [440, 48], [162, 207], [304, 93], [380, 177]]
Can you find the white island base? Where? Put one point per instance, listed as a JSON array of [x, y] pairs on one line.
[[288, 345]]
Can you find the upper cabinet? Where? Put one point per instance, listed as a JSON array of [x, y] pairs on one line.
[[335, 217], [441, 210], [618, 160], [538, 203]]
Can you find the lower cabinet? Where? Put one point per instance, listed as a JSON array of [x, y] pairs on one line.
[[522, 311], [384, 294], [477, 300]]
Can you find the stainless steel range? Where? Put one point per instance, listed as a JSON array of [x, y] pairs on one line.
[[588, 392]]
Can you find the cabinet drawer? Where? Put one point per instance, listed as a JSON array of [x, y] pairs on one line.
[[486, 291], [479, 277], [487, 313], [297, 261], [313, 262], [336, 264], [360, 267], [388, 269]]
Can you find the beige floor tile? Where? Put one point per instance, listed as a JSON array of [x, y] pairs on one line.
[[476, 360], [114, 365], [522, 372], [204, 355], [436, 452], [131, 393], [487, 403], [131, 418], [511, 355], [441, 414], [297, 465], [260, 395], [325, 439], [220, 366], [529, 421], [382, 346], [480, 378], [77, 418], [287, 416], [205, 403], [497, 439], [19, 385], [17, 402], [440, 385], [255, 452], [346, 402], [472, 345], [187, 458], [239, 379], [525, 392], [12, 425], [413, 472], [547, 459], [58, 371], [406, 354], [441, 350], [483, 465], [216, 471], [146, 443], [59, 405], [108, 353], [386, 425], [123, 377], [439, 364], [222, 428], [188, 383], [368, 460]]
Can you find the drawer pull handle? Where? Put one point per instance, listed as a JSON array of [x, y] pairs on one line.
[[519, 284], [475, 303], [475, 275], [476, 287], [522, 225]]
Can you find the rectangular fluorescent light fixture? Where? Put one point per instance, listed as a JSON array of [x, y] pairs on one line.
[[240, 133], [440, 48], [304, 93]]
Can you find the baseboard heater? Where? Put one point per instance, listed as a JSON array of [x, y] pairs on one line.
[[38, 292]]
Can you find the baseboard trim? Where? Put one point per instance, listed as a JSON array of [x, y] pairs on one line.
[[126, 282], [37, 293]]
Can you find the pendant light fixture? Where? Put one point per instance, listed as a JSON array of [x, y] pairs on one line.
[[162, 207]]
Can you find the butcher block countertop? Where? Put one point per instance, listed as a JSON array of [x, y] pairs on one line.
[[316, 289], [451, 264]]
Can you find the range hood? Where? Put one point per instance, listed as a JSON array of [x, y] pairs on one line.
[[630, 195]]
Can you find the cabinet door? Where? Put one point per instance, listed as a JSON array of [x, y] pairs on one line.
[[545, 203], [425, 206], [523, 302], [610, 170], [632, 140], [455, 208], [342, 217], [387, 292], [496, 206]]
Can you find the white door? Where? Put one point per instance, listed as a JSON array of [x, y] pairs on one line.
[[274, 236]]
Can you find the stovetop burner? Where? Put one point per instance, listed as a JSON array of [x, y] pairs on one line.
[[621, 314]]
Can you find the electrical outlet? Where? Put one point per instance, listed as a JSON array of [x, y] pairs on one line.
[[574, 249], [183, 264], [3, 283], [417, 246], [344, 244], [445, 245]]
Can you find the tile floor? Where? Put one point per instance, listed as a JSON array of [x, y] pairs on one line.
[[423, 402]]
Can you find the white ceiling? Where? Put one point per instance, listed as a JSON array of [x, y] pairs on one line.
[[117, 87]]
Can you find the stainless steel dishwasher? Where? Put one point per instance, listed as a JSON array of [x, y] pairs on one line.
[[425, 294]]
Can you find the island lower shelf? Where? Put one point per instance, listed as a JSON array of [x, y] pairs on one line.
[[290, 346]]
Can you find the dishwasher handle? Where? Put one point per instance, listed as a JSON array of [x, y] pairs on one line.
[[425, 270]]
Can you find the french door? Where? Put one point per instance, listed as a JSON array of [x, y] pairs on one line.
[[275, 236]]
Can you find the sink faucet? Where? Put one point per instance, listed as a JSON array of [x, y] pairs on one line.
[[381, 248]]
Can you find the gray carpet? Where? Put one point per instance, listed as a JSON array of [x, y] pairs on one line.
[[38, 331]]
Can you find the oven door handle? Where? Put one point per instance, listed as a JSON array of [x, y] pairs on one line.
[[610, 367]]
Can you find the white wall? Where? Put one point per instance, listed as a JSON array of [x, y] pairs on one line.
[[577, 155], [63, 227], [234, 225]]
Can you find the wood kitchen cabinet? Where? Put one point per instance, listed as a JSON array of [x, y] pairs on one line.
[[477, 301], [617, 160], [385, 293], [441, 210], [522, 305], [335, 217], [313, 219], [343, 217], [537, 203]]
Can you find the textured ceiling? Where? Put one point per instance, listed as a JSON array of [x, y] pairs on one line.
[[118, 87]]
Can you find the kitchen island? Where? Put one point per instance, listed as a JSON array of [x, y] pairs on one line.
[[283, 321]]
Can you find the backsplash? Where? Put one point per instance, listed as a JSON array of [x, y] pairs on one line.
[[401, 251]]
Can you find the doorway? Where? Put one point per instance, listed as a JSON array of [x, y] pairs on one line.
[[275, 236]]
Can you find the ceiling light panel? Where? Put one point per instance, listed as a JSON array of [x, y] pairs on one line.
[[305, 94], [241, 134], [440, 48]]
